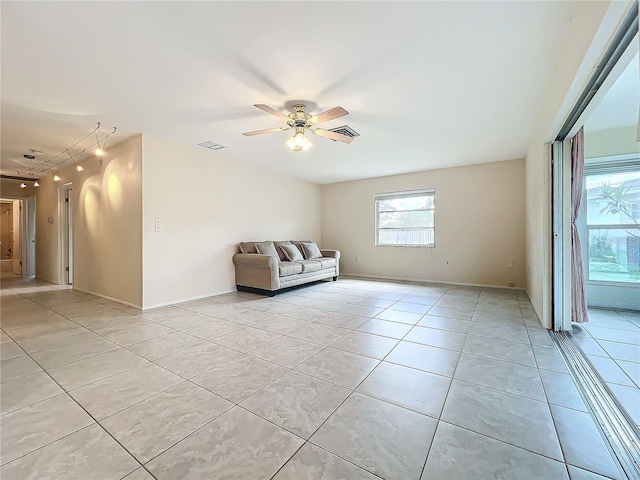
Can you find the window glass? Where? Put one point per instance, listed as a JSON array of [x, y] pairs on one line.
[[405, 219], [613, 225]]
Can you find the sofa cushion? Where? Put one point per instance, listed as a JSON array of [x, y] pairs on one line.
[[286, 269], [326, 262], [280, 252], [310, 250], [310, 266], [291, 253], [247, 247], [267, 248]]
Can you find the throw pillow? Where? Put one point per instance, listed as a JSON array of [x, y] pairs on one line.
[[267, 248], [247, 247], [310, 250], [278, 245], [291, 253], [298, 243]]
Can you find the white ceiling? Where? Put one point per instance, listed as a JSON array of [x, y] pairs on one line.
[[619, 107], [427, 84]]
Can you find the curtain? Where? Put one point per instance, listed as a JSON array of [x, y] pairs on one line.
[[578, 297]]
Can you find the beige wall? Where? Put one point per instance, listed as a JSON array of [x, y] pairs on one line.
[[107, 203], [574, 64], [611, 142], [207, 204], [11, 189], [479, 226]]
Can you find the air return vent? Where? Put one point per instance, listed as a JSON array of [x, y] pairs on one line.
[[345, 130], [213, 145]]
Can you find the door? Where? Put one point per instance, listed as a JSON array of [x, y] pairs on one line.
[[15, 245]]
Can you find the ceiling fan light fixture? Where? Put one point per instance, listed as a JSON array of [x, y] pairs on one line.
[[299, 142]]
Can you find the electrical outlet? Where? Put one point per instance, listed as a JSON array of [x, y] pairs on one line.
[[157, 217], [530, 271], [446, 262], [157, 227], [357, 259]]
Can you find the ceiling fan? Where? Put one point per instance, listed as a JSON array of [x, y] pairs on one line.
[[299, 120]]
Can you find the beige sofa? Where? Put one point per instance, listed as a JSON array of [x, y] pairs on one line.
[[266, 274]]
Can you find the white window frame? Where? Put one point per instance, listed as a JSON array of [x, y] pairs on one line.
[[404, 194]]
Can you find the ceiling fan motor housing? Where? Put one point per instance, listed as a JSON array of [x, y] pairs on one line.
[[299, 117]]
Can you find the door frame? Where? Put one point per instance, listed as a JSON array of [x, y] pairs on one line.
[[28, 236], [65, 234]]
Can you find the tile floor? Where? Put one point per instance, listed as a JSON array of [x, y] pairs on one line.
[[611, 341], [354, 379]]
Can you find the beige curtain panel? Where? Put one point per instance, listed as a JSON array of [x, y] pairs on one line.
[[578, 297]]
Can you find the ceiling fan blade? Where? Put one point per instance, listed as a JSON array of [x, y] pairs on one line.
[[272, 111], [332, 135], [268, 130], [335, 112]]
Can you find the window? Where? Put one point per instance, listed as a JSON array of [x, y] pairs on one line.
[[405, 219], [613, 228]]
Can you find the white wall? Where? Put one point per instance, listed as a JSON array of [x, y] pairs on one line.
[[604, 143], [576, 58], [207, 204], [479, 226], [107, 201]]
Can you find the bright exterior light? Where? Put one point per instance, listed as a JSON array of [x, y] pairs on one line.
[[79, 168], [299, 142], [36, 184], [99, 152], [56, 178], [22, 185]]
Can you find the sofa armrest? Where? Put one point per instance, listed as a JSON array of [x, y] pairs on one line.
[[255, 260], [257, 271], [333, 254]]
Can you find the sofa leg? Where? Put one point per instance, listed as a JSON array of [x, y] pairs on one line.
[[335, 278]]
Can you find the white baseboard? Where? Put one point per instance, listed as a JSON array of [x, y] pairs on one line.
[[420, 280], [184, 300], [106, 297]]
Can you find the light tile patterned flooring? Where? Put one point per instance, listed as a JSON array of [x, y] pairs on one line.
[[611, 341], [353, 379]]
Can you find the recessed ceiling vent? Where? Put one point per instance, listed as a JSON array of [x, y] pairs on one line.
[[345, 130], [213, 145]]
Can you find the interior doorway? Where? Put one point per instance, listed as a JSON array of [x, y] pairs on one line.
[[17, 235], [6, 235]]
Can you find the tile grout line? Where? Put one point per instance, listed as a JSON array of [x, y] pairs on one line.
[[324, 348]]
